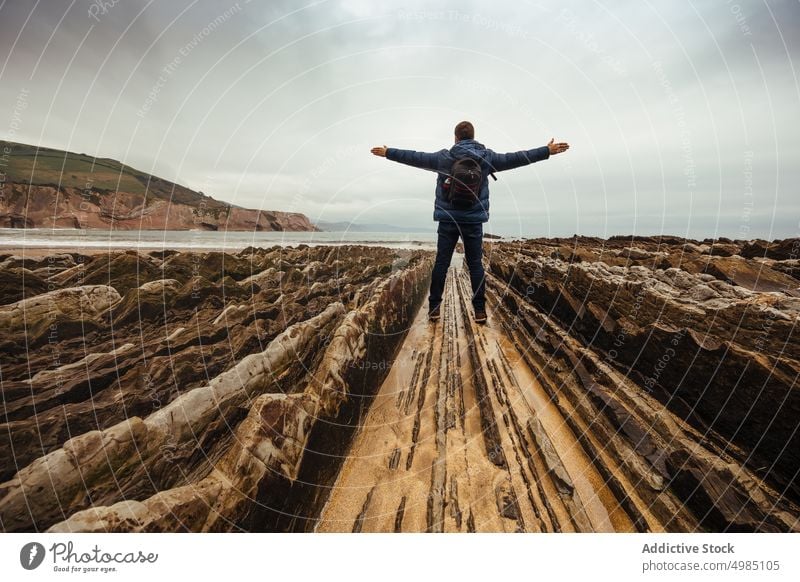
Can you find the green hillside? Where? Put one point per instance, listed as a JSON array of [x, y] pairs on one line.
[[28, 164]]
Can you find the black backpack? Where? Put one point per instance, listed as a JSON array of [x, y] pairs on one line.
[[462, 186]]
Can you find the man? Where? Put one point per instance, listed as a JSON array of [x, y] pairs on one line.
[[457, 220]]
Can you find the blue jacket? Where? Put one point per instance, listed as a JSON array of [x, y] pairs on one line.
[[442, 161]]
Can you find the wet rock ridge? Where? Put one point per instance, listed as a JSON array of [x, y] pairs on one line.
[[681, 357]]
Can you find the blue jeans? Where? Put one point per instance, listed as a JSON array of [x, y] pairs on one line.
[[472, 236]]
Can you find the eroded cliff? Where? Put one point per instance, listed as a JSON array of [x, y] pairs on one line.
[[49, 188]]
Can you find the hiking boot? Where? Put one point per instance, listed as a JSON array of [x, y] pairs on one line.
[[435, 313], [480, 315]]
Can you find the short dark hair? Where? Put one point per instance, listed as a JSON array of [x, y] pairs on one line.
[[464, 130]]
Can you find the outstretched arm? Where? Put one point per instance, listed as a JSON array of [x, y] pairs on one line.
[[512, 160], [410, 157]]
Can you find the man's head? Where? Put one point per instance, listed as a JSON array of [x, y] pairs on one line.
[[464, 130]]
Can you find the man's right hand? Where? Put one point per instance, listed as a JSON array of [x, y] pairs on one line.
[[557, 148], [379, 151]]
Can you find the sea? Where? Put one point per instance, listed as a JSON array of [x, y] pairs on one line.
[[43, 238]]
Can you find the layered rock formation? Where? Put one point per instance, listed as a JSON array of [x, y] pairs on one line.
[[630, 384], [680, 357], [47, 188], [463, 436], [197, 382], [596, 399]]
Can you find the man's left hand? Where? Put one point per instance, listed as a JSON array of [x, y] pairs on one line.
[[379, 151]]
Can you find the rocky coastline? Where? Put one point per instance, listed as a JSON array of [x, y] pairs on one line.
[[189, 391]]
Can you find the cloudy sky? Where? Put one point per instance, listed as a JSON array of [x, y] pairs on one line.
[[682, 116]]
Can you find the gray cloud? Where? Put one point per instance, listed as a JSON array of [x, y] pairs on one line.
[[681, 120]]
